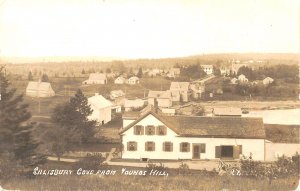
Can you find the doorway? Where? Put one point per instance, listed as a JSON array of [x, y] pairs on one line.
[[226, 151], [196, 151]]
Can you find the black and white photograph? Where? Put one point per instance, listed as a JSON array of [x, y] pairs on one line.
[[133, 95]]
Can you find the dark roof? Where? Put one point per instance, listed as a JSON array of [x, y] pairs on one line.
[[196, 126]]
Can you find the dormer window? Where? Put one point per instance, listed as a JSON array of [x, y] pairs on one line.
[[150, 130], [161, 130], [138, 130]]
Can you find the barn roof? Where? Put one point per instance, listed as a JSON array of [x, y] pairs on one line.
[[38, 86], [196, 126], [99, 101]]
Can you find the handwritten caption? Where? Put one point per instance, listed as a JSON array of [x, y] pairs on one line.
[[104, 172]]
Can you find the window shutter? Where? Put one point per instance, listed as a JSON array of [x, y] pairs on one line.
[[164, 145], [142, 130], [135, 146], [202, 149], [236, 152], [153, 146], [241, 149], [146, 144], [171, 147], [217, 152], [180, 147], [128, 143], [135, 132], [188, 147]]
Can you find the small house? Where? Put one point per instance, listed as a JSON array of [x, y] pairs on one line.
[[101, 109], [96, 78], [163, 98], [268, 81], [208, 69], [133, 80], [39, 89], [242, 78]]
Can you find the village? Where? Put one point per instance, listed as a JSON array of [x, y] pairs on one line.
[[167, 114]]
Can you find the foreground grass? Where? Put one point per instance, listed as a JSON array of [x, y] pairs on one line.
[[132, 183]]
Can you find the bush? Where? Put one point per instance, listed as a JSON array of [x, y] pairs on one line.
[[152, 166], [183, 168]]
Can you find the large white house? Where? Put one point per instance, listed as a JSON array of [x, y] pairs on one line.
[[39, 89], [96, 78], [155, 136], [101, 109], [120, 80]]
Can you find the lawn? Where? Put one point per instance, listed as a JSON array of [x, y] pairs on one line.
[[139, 183]]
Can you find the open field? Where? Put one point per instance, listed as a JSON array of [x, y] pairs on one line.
[[139, 183]]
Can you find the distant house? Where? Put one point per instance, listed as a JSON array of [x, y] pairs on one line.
[[96, 78], [39, 89], [155, 136], [197, 90], [180, 91], [233, 81], [101, 109], [267, 80], [120, 80], [208, 69], [242, 78], [132, 104], [227, 111], [133, 80], [163, 98]]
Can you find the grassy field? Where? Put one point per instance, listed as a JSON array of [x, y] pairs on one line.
[[139, 183]]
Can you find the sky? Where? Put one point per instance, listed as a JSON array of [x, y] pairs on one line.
[[146, 29]]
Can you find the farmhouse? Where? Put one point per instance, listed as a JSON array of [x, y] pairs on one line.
[[133, 80], [197, 90], [242, 78], [267, 80], [96, 78], [208, 69], [180, 91], [101, 109], [155, 136], [39, 89], [120, 80], [163, 98]]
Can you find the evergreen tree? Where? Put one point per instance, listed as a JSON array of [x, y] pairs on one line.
[[140, 72], [16, 138], [45, 78], [83, 71], [30, 77]]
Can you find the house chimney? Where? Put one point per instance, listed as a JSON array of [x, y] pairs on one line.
[[155, 105]]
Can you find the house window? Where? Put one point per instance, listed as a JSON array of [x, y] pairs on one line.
[[184, 147], [138, 130], [150, 130], [168, 146], [131, 146], [149, 146], [161, 130]]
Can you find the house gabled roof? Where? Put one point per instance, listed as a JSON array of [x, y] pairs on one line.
[[99, 101], [183, 86], [38, 86], [195, 126]]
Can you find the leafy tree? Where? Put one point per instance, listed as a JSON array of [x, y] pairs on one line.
[[140, 73], [45, 78], [30, 76], [83, 71], [217, 71], [16, 134], [248, 72]]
